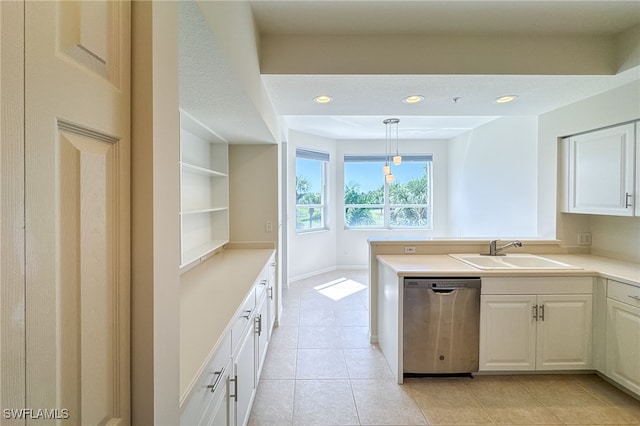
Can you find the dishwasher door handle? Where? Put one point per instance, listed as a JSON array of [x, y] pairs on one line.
[[443, 290]]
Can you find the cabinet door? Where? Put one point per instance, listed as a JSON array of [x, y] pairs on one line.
[[261, 335], [507, 332], [271, 299], [623, 344], [564, 332], [636, 202], [244, 386], [601, 172], [221, 413]]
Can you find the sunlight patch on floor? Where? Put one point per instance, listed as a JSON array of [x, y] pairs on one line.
[[340, 288]]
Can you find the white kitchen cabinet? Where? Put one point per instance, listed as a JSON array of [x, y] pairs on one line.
[[507, 332], [564, 332], [224, 389], [245, 381], [623, 335], [600, 172], [222, 413], [271, 299], [261, 331], [204, 190], [526, 331], [209, 402], [250, 348]]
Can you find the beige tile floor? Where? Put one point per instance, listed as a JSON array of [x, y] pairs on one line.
[[322, 370]]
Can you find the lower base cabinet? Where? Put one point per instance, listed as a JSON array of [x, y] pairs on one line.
[[623, 335], [244, 382], [526, 332], [208, 404], [224, 393]]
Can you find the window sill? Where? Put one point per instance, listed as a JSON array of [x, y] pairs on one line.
[[312, 231]]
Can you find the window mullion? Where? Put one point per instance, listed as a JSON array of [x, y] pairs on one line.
[[386, 209]]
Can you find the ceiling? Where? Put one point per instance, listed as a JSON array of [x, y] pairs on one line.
[[225, 84], [362, 102]]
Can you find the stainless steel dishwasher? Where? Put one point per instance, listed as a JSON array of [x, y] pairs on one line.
[[441, 322]]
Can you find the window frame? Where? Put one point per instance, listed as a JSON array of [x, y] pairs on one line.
[[323, 158], [386, 205]]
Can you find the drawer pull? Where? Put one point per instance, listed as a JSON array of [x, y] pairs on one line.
[[634, 297], [270, 289], [263, 282], [535, 312], [542, 312], [627, 200], [247, 315], [216, 382]]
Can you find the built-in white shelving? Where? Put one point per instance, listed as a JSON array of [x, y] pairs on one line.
[[204, 190]]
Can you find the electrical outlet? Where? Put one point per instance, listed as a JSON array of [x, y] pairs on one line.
[[409, 250], [268, 226], [584, 238]]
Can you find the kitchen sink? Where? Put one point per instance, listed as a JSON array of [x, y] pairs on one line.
[[511, 261]]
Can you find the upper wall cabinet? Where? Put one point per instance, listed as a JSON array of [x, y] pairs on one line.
[[204, 190], [600, 172]]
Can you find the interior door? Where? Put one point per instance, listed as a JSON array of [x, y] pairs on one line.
[[77, 68]]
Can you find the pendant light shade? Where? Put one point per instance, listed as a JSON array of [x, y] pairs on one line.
[[388, 178]]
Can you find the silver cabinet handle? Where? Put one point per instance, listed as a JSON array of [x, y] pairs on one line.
[[246, 315], [542, 312], [235, 388], [270, 289], [535, 312], [263, 282], [627, 200], [634, 297], [216, 382], [258, 325]]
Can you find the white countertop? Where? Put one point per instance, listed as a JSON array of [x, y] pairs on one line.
[[444, 265], [210, 294]]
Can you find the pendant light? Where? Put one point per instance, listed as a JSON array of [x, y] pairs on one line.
[[397, 159]]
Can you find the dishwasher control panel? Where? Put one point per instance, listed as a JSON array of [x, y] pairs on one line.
[[442, 283]]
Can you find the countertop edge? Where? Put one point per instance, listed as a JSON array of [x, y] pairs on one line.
[[444, 265]]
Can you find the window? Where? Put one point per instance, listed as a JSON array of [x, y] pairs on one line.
[[370, 202], [311, 192]]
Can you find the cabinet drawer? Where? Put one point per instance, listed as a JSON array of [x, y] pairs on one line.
[[209, 386], [243, 319], [624, 293], [265, 279]]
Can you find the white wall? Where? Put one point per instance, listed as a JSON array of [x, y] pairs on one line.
[[155, 226], [492, 180], [253, 192], [352, 249], [310, 252]]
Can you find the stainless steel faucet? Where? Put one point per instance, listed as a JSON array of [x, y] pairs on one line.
[[495, 251]]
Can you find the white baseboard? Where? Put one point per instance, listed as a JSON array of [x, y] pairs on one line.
[[312, 274], [358, 267]]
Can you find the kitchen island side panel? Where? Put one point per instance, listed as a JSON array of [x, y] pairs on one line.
[[389, 319]]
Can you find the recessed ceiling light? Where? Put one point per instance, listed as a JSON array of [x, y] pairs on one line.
[[505, 99], [322, 99], [413, 99]]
